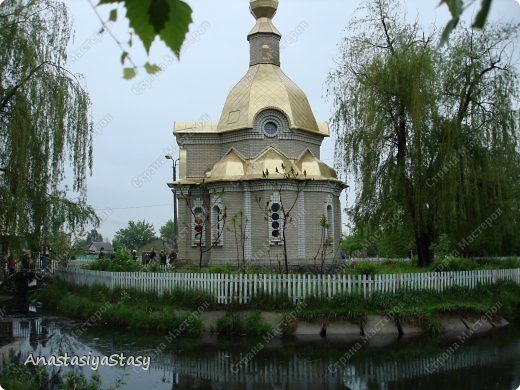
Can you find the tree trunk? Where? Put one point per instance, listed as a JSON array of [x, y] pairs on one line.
[[423, 241], [285, 251]]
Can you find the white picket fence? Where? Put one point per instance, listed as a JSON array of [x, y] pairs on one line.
[[227, 288]]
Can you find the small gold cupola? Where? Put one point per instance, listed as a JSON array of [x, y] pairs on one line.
[[265, 85], [264, 38]]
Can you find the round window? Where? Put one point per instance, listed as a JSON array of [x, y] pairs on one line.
[[270, 128]]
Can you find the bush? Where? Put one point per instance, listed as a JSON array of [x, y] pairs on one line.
[[432, 325], [122, 262], [276, 302], [453, 264], [289, 324], [17, 376], [153, 267], [252, 325], [365, 268], [229, 325], [442, 247], [496, 263], [255, 326]]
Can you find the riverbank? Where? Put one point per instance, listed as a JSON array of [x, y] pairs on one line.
[[193, 313]]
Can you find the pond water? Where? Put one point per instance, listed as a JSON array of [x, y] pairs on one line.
[[489, 361]]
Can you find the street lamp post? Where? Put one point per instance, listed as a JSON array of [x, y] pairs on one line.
[[174, 190]]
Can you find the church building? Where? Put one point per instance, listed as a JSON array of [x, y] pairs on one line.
[[251, 188]]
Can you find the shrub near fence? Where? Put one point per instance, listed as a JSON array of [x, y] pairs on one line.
[[227, 288]]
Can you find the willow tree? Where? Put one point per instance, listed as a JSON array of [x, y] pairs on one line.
[[428, 133], [44, 126]]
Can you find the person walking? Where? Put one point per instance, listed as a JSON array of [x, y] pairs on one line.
[[152, 255], [172, 258], [162, 257]]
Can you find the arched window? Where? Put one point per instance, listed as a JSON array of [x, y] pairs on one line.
[[329, 215], [330, 223], [217, 226]]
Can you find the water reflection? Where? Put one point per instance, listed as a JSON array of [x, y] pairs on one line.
[[489, 361]]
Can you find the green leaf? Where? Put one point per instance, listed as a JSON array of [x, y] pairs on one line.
[[159, 12], [448, 29], [175, 30], [113, 15], [455, 7], [152, 68], [101, 2], [482, 15], [129, 73], [124, 56], [137, 13]]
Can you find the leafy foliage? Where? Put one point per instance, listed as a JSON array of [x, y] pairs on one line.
[[135, 235], [352, 244], [18, 376], [251, 325], [429, 133], [167, 232], [122, 262], [365, 268], [168, 20], [453, 264], [456, 8], [442, 247], [92, 236], [44, 126]]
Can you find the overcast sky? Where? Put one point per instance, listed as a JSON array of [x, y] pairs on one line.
[[134, 119]]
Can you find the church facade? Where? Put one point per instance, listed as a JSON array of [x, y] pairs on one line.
[[252, 188]]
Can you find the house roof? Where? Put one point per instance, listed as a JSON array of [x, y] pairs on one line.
[[97, 245]]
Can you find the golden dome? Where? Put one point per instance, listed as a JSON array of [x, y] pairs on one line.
[[266, 86]]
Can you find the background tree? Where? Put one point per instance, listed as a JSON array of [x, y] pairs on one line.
[[352, 244], [135, 235], [92, 236], [166, 232], [44, 126], [429, 133]]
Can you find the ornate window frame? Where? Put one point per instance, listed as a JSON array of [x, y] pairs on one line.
[[275, 217], [198, 204], [217, 222], [269, 118]]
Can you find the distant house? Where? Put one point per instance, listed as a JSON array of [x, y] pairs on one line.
[[95, 247]]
